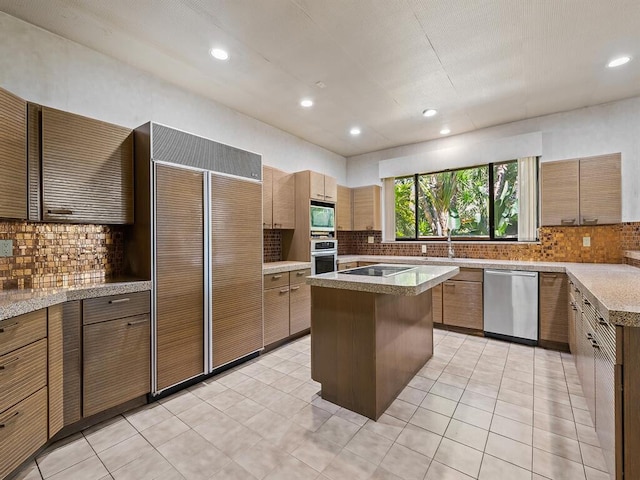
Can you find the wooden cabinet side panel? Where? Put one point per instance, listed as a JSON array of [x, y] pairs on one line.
[[600, 189], [284, 205], [87, 169], [117, 362], [559, 188], [267, 197], [179, 274], [55, 367], [436, 303], [631, 394], [300, 308], [236, 284], [72, 337], [553, 307], [462, 304], [276, 314], [13, 156], [344, 212]]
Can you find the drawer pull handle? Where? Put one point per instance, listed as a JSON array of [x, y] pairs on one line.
[[586, 302], [549, 275], [11, 418], [60, 211], [137, 322], [449, 284], [276, 277], [295, 288], [589, 221], [299, 274], [589, 336], [284, 290], [11, 326], [10, 363], [568, 221], [594, 344], [119, 300]]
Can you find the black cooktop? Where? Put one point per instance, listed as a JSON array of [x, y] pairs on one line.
[[376, 270]]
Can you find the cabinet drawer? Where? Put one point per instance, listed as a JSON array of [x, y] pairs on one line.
[[347, 266], [23, 429], [299, 276], [22, 372], [299, 308], [274, 280], [116, 306], [276, 314], [469, 275], [117, 362], [19, 331]]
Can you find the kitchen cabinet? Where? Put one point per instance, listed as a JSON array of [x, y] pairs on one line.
[[23, 388], [287, 304], [278, 199], [13, 156], [346, 265], [276, 313], [344, 210], [436, 303], [462, 300], [236, 284], [322, 187], [299, 301], [553, 309], [86, 168], [584, 191], [366, 208]]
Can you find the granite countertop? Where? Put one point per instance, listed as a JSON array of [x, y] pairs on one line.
[[20, 301], [411, 282], [286, 266], [613, 288]]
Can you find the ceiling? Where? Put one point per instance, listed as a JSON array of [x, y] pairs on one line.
[[478, 62]]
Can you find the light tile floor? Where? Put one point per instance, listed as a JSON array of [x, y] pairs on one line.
[[480, 409]]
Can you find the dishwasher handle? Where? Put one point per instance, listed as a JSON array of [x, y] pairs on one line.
[[511, 273]]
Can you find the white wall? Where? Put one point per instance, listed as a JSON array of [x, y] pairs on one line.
[[610, 128], [47, 69]]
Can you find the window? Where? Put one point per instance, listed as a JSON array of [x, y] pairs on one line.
[[477, 203]]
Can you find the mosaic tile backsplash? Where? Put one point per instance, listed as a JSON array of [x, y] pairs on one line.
[[48, 255], [272, 245], [557, 244]]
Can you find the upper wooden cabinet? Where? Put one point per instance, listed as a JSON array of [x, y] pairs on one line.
[[13, 156], [278, 199], [583, 191], [366, 208], [86, 168], [344, 210], [322, 187]]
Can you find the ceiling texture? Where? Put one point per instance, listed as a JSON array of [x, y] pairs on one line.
[[382, 62]]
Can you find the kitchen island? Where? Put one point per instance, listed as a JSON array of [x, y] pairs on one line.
[[371, 331]]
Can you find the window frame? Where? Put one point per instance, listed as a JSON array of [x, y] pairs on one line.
[[492, 230]]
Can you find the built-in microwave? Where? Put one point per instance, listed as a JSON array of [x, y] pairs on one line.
[[322, 217]]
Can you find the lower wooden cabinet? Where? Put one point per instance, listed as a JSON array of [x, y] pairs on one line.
[[287, 304], [22, 372], [347, 265], [462, 304], [299, 308], [276, 314], [553, 307], [116, 362], [436, 303], [23, 429]]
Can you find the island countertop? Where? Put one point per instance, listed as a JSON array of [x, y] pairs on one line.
[[418, 279]]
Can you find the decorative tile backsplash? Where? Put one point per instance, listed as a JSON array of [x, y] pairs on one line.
[[557, 244], [272, 245], [47, 255]]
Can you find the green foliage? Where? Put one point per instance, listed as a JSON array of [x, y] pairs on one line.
[[505, 179], [405, 208]]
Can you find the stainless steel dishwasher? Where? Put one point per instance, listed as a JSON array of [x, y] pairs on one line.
[[511, 305]]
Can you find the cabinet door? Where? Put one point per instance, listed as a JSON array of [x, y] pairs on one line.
[[13, 156], [236, 284], [344, 217], [330, 189], [299, 308], [366, 208], [267, 197], [284, 192], [605, 389], [588, 374], [462, 304], [316, 186], [600, 190], [116, 362], [436, 303], [179, 274], [276, 314], [87, 170], [553, 307], [559, 187]]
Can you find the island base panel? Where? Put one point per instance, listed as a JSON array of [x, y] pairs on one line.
[[366, 347]]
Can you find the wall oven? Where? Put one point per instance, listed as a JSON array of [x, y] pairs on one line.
[[324, 256]]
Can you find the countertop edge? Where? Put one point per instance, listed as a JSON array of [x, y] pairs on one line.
[[281, 267]]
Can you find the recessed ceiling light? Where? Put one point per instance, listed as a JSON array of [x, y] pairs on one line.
[[306, 103], [445, 131], [354, 131], [616, 62], [219, 54], [430, 112]]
